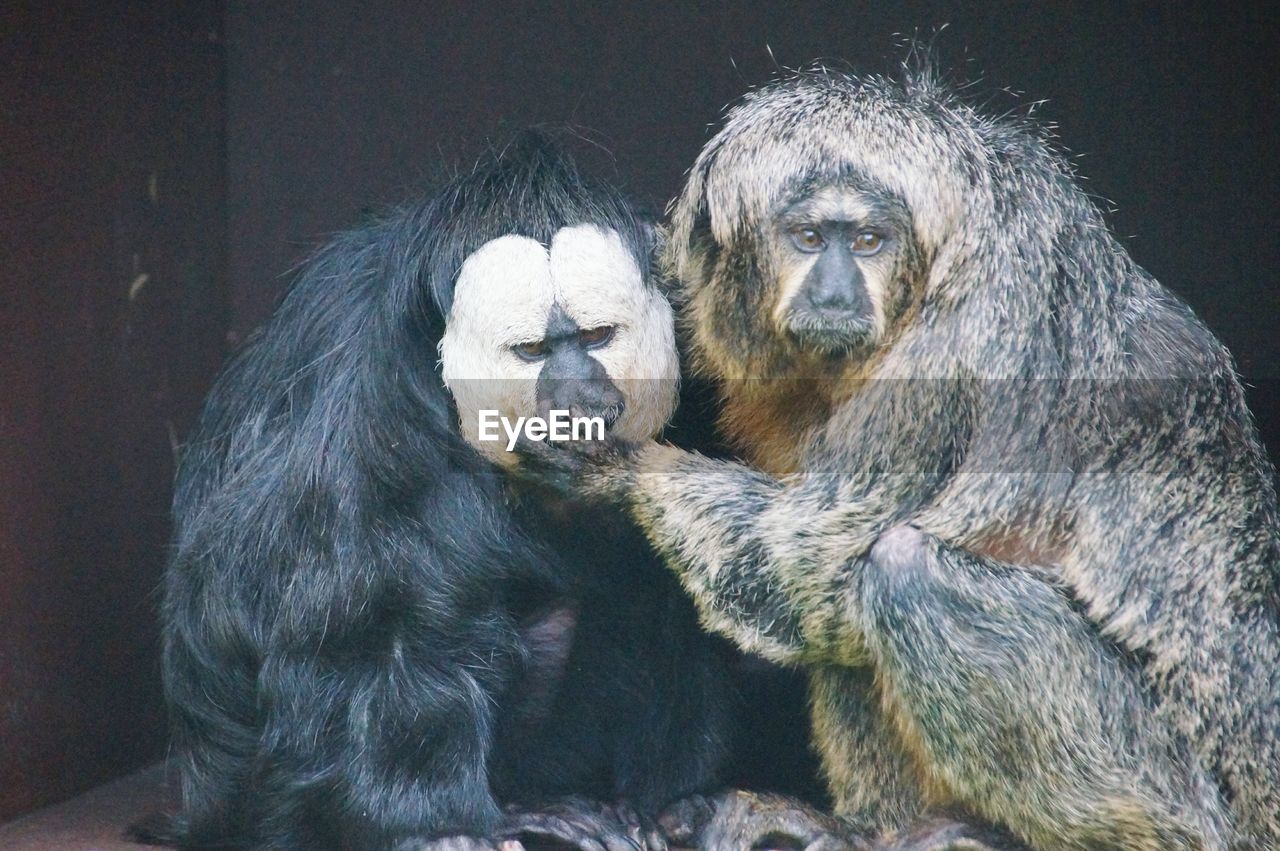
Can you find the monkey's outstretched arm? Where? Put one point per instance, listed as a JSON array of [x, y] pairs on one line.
[[963, 646], [915, 609]]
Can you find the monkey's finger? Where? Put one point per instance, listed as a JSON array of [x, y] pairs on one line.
[[953, 836], [605, 826], [542, 463], [654, 840], [839, 842], [640, 828], [684, 821], [614, 841], [765, 821], [617, 826], [448, 843], [556, 827], [608, 449]]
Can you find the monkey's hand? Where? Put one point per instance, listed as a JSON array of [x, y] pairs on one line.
[[741, 820], [585, 824], [595, 468], [684, 821]]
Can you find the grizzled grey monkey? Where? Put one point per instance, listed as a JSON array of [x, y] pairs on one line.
[[1005, 503]]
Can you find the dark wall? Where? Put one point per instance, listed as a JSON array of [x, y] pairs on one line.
[[1172, 110], [112, 245], [113, 298]]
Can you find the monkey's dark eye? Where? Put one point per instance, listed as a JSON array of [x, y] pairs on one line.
[[594, 338], [536, 350], [808, 239], [867, 243]]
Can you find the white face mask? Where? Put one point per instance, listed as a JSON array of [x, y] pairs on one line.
[[505, 293]]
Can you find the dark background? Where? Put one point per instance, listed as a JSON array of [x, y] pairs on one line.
[[165, 164]]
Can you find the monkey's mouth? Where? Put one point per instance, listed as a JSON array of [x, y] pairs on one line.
[[609, 413], [835, 333]]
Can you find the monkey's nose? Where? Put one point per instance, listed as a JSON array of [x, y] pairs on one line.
[[583, 398], [834, 301], [604, 401]]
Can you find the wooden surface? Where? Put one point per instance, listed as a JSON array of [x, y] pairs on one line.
[[94, 821]]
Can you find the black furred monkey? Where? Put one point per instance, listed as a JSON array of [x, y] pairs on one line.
[[1006, 504], [371, 640]]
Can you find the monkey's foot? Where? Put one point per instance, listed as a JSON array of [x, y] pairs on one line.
[[748, 820], [948, 835], [684, 821], [460, 843], [585, 824]]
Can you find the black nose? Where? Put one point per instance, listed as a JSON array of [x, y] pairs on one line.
[[835, 288], [830, 295], [599, 399], [582, 397]]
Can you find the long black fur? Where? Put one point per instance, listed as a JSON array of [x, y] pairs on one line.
[[343, 649]]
